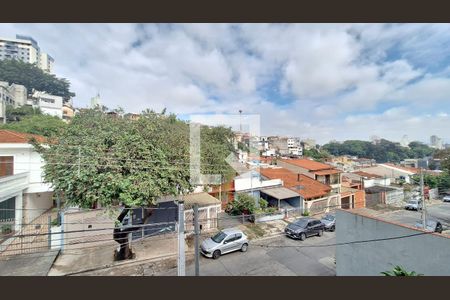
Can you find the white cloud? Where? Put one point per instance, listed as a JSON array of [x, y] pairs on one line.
[[318, 80]]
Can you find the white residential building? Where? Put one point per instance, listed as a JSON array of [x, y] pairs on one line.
[[49, 104], [23, 193], [26, 49], [436, 142], [251, 182]]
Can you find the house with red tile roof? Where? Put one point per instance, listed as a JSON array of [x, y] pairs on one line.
[[314, 195], [23, 193], [321, 172]]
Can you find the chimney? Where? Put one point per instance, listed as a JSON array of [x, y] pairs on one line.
[[298, 177]]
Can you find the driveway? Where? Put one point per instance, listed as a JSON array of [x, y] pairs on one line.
[[30, 264], [276, 256]]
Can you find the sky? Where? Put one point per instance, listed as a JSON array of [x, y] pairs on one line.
[[321, 81]]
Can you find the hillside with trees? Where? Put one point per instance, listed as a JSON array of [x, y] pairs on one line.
[[32, 77], [27, 119], [383, 151], [107, 160]]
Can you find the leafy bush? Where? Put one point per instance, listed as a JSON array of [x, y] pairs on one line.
[[243, 204], [6, 228], [263, 204], [399, 271], [305, 213]]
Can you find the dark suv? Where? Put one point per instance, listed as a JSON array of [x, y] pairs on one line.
[[304, 227]]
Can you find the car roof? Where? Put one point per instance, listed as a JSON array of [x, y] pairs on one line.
[[231, 230]]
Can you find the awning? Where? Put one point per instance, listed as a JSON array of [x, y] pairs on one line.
[[280, 193]]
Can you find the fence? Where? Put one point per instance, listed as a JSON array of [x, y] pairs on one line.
[[27, 237]]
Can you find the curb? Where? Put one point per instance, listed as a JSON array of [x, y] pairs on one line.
[[126, 263]]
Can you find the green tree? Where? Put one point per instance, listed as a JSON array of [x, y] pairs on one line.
[[99, 159], [400, 271], [316, 154], [383, 151], [32, 77], [41, 124], [17, 113], [444, 156], [243, 204]]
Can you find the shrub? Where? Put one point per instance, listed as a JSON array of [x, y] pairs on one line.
[[305, 213], [243, 203], [399, 271], [6, 228]]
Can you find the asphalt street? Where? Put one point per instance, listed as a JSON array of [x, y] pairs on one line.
[[276, 256]]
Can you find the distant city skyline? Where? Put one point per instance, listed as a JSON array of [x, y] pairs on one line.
[[324, 81]]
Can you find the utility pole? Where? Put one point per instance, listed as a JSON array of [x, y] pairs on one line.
[[197, 233], [79, 160], [424, 210], [181, 254]]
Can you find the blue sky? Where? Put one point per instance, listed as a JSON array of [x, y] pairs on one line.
[[323, 81]]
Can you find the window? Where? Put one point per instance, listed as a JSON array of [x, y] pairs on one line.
[[233, 238], [238, 236], [6, 165], [7, 209]]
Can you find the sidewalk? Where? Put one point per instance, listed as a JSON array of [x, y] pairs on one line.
[[89, 259]]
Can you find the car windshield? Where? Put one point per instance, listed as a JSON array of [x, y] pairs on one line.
[[413, 201], [218, 238], [301, 223], [329, 218]]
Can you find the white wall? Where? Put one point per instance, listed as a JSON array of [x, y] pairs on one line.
[[244, 182], [27, 160]]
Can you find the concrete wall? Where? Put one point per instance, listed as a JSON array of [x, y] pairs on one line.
[[36, 204], [87, 228], [395, 197], [426, 254]]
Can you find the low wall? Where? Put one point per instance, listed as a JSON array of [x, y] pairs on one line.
[[427, 254]]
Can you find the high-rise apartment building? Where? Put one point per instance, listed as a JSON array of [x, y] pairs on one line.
[[26, 49], [436, 142]]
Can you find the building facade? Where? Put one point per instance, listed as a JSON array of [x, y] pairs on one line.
[[49, 104], [26, 49], [22, 187]]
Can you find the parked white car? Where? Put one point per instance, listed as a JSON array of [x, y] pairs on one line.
[[446, 198], [227, 240]]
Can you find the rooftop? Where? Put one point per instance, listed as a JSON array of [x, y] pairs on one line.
[[378, 189], [327, 172], [14, 137], [305, 186], [308, 164], [367, 175], [407, 169]]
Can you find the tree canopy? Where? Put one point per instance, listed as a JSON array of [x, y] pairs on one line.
[[384, 151], [30, 120], [103, 159], [32, 77]]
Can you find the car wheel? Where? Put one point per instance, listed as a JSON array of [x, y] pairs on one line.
[[216, 254], [320, 232], [302, 236], [333, 228], [244, 248]]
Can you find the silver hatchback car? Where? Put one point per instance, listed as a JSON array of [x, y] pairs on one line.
[[225, 241]]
